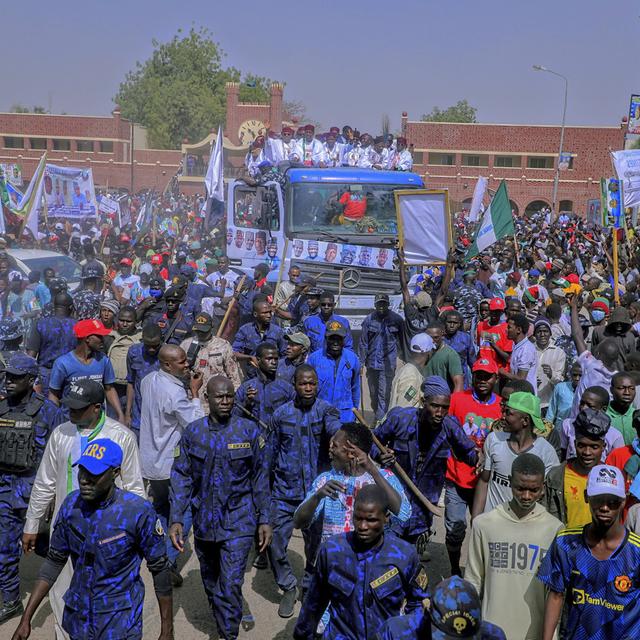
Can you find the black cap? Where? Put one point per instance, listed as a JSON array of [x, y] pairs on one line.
[[58, 284], [82, 393], [174, 293], [591, 423], [179, 281], [92, 270], [203, 322], [156, 282], [381, 297], [335, 328]]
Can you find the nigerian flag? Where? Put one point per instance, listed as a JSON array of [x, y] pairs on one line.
[[497, 223]]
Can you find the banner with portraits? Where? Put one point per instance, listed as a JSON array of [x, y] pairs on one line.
[[12, 173], [69, 192]]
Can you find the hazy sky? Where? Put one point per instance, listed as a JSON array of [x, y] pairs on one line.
[[349, 62]]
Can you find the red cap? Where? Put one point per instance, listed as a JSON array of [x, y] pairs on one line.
[[310, 128], [124, 238], [573, 278], [156, 259], [484, 364], [516, 276], [86, 328], [126, 262], [497, 304], [288, 130]]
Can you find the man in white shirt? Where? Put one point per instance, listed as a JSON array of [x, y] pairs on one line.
[[223, 273], [308, 150], [279, 149], [255, 157], [125, 280], [379, 154], [165, 411], [400, 159], [524, 357], [333, 151], [56, 476]]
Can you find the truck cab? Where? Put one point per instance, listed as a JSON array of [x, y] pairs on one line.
[[338, 225]]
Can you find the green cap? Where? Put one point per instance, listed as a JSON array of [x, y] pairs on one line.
[[529, 404], [212, 262]]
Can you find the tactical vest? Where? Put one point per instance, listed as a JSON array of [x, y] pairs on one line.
[[17, 436]]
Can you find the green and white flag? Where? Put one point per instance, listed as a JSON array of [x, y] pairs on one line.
[[497, 223]]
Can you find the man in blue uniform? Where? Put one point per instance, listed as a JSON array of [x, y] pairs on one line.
[[299, 445], [316, 324], [26, 420], [106, 532], [251, 334], [142, 358], [298, 345], [263, 394], [222, 475], [421, 441], [378, 351], [87, 298], [454, 611], [363, 577], [51, 337], [594, 571], [338, 371], [174, 315]]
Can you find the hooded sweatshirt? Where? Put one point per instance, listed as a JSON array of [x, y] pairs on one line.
[[504, 555]]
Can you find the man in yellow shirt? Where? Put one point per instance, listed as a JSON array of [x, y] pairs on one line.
[[565, 484]]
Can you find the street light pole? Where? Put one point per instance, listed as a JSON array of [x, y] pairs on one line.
[[556, 179]]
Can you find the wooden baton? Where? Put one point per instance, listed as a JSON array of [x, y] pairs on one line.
[[229, 307]]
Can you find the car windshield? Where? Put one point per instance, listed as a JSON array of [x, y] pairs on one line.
[[62, 265], [343, 209]]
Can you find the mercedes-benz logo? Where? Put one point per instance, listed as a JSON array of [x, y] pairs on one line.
[[351, 278]]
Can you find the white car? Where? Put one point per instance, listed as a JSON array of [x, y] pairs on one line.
[[28, 260]]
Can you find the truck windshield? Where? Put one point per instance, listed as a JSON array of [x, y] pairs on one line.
[[342, 208]]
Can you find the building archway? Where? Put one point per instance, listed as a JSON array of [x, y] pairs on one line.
[[534, 206], [566, 206]]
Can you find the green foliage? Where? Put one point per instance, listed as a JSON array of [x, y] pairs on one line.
[[20, 108], [179, 92], [462, 111]]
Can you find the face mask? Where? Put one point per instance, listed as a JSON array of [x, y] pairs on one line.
[[597, 315], [155, 293]]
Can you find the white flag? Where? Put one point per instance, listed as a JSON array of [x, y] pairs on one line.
[[627, 166], [214, 180], [478, 196]]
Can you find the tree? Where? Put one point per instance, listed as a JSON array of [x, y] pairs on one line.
[[180, 90], [462, 111], [20, 108]]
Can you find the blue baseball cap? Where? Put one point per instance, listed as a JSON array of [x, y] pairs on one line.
[[455, 610], [100, 455], [20, 364]]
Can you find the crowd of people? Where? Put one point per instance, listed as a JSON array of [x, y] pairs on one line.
[[170, 397]]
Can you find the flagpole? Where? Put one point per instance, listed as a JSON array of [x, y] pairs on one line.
[[616, 284]]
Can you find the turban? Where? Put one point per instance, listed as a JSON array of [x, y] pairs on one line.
[[435, 386]]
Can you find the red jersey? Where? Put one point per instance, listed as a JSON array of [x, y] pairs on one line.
[[618, 458], [355, 205], [476, 419], [499, 333]]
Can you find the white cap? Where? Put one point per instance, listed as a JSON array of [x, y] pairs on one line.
[[605, 480], [422, 343]]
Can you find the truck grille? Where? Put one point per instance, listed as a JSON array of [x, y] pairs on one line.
[[369, 281]]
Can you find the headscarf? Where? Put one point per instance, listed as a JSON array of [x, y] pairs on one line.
[[435, 386]]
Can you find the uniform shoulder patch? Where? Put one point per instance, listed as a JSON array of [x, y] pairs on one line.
[[410, 393], [422, 579], [261, 442], [385, 577], [158, 528], [238, 445]]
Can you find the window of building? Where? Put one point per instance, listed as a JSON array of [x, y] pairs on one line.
[[13, 143], [540, 162], [84, 145], [507, 161], [418, 157], [38, 143], [473, 160], [442, 158], [106, 146], [61, 145]]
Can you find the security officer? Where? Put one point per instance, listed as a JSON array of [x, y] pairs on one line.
[[421, 440], [251, 334], [222, 475], [174, 315], [210, 355], [305, 301], [11, 334], [105, 531], [315, 324], [87, 299], [338, 371], [298, 345], [56, 285], [378, 350], [52, 336], [26, 420], [264, 393], [153, 303], [299, 446], [363, 576], [142, 358], [196, 290]]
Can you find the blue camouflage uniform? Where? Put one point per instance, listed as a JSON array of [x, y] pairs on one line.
[[270, 395], [286, 369], [184, 326], [50, 338], [222, 475], [424, 457], [249, 337], [462, 344], [298, 446], [16, 485], [106, 545], [378, 351], [314, 327], [361, 588], [338, 385], [87, 304], [139, 363]]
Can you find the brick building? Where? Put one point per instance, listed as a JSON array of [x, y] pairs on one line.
[[454, 155]]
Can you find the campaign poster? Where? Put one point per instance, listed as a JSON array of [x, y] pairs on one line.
[[633, 123], [594, 211], [12, 173], [69, 192]]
